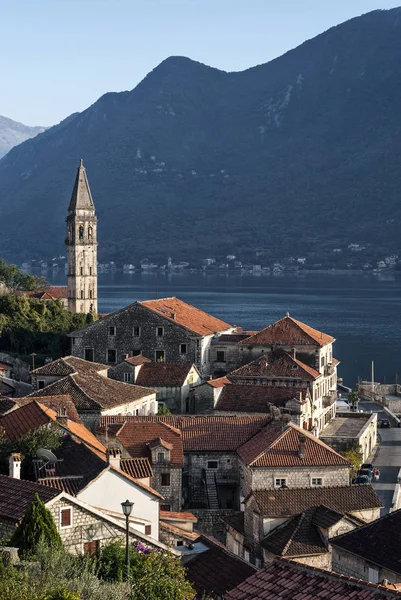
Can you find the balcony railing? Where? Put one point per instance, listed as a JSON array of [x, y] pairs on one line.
[[329, 400], [329, 369]]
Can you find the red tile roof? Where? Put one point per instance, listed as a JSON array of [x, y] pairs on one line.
[[186, 315], [138, 468], [257, 398], [288, 580], [136, 436], [137, 360], [217, 383], [60, 404], [293, 501], [168, 515], [164, 374], [68, 365], [16, 496], [278, 364], [53, 292], [203, 432], [275, 447], [216, 570], [288, 332]]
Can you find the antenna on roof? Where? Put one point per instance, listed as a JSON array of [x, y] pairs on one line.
[[46, 456]]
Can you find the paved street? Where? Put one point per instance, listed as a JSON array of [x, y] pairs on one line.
[[388, 456]]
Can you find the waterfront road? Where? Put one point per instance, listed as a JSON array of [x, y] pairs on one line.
[[387, 458]]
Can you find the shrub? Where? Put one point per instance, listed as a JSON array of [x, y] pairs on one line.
[[36, 526]]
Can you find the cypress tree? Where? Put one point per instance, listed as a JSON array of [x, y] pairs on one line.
[[36, 525]]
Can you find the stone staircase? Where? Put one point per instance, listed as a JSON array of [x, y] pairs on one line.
[[211, 488]]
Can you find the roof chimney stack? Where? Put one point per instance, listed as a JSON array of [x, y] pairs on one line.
[[61, 416], [14, 463], [294, 353], [114, 457], [302, 444]]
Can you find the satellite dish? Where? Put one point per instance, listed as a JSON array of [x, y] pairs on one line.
[[46, 455]]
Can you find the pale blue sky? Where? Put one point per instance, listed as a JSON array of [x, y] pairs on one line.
[[59, 56]]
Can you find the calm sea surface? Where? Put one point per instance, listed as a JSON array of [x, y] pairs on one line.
[[363, 312]]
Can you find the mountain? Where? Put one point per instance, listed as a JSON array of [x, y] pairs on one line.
[[13, 133], [297, 157]]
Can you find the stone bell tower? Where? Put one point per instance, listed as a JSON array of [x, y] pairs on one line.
[[82, 247]]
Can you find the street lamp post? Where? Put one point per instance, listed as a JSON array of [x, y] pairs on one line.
[[127, 510]]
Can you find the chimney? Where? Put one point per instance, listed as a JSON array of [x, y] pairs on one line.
[[114, 457], [14, 463], [61, 416], [302, 443], [294, 353]]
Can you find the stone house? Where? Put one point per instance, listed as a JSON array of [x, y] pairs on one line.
[[82, 528], [372, 552], [288, 580], [225, 352], [173, 382], [164, 330], [93, 393], [51, 292], [159, 443], [207, 395], [352, 430], [286, 455], [267, 510]]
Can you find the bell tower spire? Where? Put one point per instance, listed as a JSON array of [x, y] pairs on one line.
[[82, 247]]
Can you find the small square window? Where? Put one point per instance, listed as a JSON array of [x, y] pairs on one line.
[[160, 457], [183, 348], [212, 464], [165, 479], [111, 355], [148, 529], [220, 356], [166, 507], [279, 482], [159, 331], [41, 384], [317, 481], [65, 517], [136, 331], [112, 330]]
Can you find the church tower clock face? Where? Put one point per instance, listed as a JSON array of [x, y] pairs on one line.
[[81, 244]]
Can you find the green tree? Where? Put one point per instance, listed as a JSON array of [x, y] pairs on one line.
[[355, 457], [15, 279], [155, 575], [354, 399], [163, 411], [37, 525]]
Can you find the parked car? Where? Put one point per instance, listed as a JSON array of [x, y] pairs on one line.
[[385, 423], [365, 473], [367, 466], [361, 479]]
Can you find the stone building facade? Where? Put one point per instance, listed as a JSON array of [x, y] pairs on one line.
[[166, 330], [81, 244]]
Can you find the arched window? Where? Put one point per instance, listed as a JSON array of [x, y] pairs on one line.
[[90, 232], [82, 294], [81, 232]]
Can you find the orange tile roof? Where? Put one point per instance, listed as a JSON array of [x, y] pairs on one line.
[[137, 360], [257, 398], [136, 437], [288, 332], [138, 468], [186, 315], [217, 383], [57, 403], [179, 516], [277, 364], [68, 365], [289, 580], [164, 374], [275, 447]]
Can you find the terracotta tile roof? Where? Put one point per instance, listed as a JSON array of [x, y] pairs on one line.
[[136, 436], [137, 482], [16, 496], [278, 364], [234, 337], [191, 536], [60, 404], [52, 292], [299, 536], [69, 365], [256, 398], [160, 442], [288, 580], [6, 405], [186, 315], [216, 571], [275, 447], [288, 332], [71, 485], [137, 360], [293, 501], [138, 468], [217, 383], [202, 432], [57, 291], [163, 374], [168, 515], [378, 542], [91, 391]]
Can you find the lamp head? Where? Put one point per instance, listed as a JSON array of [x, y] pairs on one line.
[[127, 507]]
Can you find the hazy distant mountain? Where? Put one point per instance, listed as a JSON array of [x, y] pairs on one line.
[[13, 133], [302, 153]]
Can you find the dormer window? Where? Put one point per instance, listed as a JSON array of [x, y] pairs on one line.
[[160, 457]]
